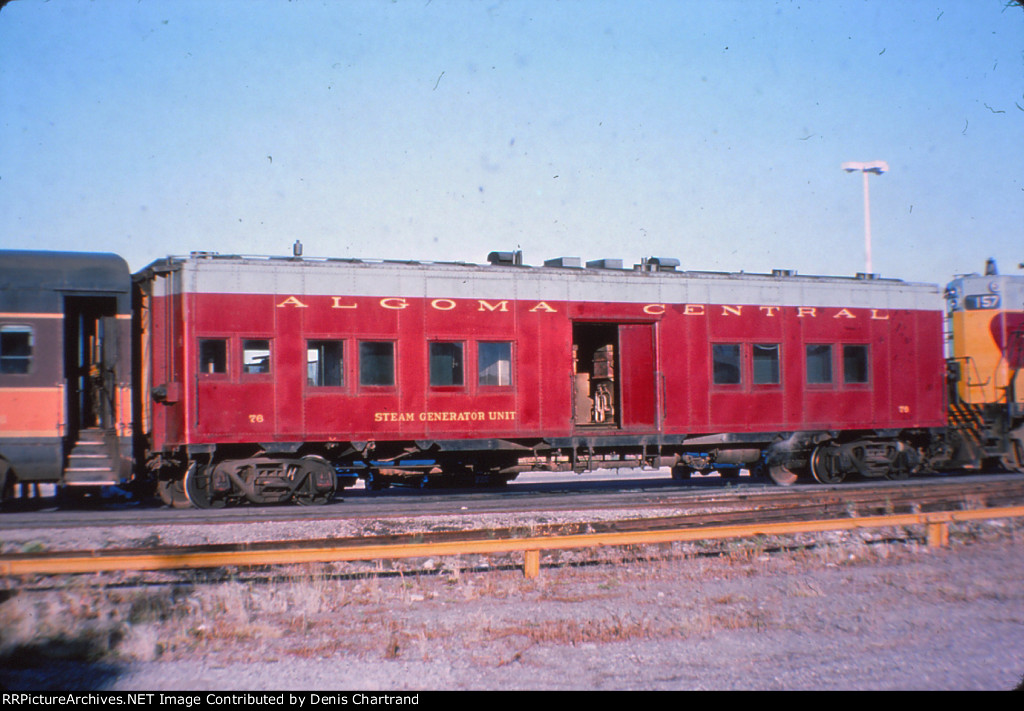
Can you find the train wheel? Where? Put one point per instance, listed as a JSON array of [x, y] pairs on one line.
[[782, 475], [825, 465], [172, 493], [899, 468], [199, 490], [320, 484]]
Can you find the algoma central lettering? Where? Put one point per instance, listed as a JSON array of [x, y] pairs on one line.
[[399, 303]]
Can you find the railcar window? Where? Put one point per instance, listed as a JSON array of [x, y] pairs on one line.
[[766, 364], [446, 364], [16, 349], [819, 364], [494, 363], [325, 363], [376, 363], [855, 364], [725, 359], [255, 356], [213, 355]]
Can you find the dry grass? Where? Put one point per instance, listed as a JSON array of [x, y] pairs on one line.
[[675, 592]]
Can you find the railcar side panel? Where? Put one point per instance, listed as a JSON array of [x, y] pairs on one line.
[[65, 367], [410, 367], [415, 369]]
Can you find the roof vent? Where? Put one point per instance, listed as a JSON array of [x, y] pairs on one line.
[[566, 262], [657, 264], [866, 276], [605, 264], [506, 259], [783, 272]]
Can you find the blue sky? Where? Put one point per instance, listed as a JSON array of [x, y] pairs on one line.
[[712, 132]]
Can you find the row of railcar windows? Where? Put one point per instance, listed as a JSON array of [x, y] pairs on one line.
[[325, 361], [765, 359]]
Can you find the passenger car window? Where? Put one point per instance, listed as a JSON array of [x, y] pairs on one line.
[[376, 363], [494, 363], [16, 349], [446, 364], [855, 364], [213, 355], [819, 364], [725, 363], [766, 364], [255, 356], [325, 363]]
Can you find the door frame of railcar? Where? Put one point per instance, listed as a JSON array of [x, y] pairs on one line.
[[617, 363], [91, 361]]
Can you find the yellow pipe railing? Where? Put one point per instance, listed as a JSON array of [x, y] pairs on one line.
[[936, 523]]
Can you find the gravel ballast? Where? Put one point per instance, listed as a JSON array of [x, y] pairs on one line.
[[849, 612]]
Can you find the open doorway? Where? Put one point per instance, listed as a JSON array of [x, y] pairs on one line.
[[614, 375], [595, 348], [90, 361]]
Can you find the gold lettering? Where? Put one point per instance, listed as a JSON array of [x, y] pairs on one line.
[[876, 317], [734, 310], [500, 306], [802, 311], [394, 303], [693, 310], [770, 310], [654, 309], [542, 306], [292, 301], [336, 304], [449, 416], [844, 313], [443, 304]]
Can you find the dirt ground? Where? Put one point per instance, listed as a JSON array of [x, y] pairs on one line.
[[850, 612]]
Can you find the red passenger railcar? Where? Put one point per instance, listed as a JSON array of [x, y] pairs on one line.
[[263, 379]]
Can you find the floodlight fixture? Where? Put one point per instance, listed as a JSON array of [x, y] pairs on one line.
[[877, 167]]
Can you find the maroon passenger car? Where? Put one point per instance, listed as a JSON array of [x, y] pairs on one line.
[[266, 378]]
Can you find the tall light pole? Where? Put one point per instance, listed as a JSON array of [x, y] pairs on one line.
[[877, 167]]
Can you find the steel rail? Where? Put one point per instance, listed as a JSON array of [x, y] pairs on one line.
[[936, 523]]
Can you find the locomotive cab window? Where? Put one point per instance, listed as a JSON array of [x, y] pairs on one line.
[[377, 363], [325, 363], [855, 365], [819, 364], [255, 356], [725, 360], [15, 349], [494, 364], [213, 355], [446, 364]]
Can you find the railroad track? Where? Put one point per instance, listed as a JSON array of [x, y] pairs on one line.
[[580, 494], [718, 514]]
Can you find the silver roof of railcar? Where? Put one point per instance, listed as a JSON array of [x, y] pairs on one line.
[[652, 281]]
